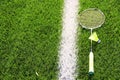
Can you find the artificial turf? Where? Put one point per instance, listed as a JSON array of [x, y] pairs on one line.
[[107, 53], [29, 39]]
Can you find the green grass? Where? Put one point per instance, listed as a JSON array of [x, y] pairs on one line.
[[107, 53], [29, 39]]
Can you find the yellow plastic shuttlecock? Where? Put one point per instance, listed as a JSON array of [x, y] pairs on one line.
[[94, 37]]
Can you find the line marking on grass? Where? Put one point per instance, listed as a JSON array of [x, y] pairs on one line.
[[67, 53]]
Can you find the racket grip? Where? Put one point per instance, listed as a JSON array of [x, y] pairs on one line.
[[91, 64]]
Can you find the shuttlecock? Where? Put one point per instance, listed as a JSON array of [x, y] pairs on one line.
[[94, 37]]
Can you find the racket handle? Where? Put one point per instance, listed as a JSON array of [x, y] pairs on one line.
[[91, 64]]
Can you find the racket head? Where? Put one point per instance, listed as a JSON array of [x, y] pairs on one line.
[[91, 18]]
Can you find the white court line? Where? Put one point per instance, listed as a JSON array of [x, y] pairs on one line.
[[67, 53]]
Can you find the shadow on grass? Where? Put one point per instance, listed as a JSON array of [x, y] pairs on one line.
[[90, 77]]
